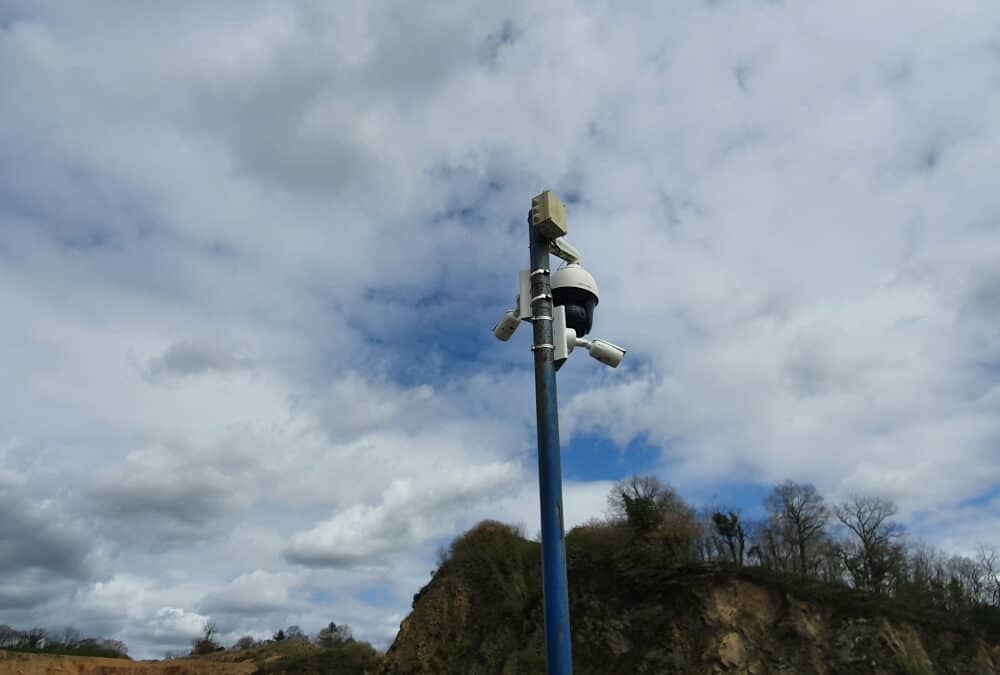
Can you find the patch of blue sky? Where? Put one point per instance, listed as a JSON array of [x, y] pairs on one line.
[[589, 457], [745, 497], [378, 595], [320, 597], [431, 337], [982, 500], [592, 457]]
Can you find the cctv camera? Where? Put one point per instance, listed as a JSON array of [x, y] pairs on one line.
[[605, 352], [574, 288], [506, 326]]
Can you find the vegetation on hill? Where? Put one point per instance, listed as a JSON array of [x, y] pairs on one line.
[[332, 651], [69, 641], [658, 587]]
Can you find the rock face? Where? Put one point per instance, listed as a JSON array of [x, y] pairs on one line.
[[633, 612]]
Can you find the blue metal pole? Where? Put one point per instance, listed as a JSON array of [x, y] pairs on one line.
[[555, 588]]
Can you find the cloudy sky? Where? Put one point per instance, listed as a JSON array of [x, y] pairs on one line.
[[250, 256]]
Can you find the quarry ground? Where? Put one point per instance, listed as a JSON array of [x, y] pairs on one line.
[[16, 663]]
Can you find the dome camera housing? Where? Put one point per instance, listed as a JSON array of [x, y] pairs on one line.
[[575, 289]]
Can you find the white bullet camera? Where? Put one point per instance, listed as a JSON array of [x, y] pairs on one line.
[[606, 352], [506, 326], [565, 340]]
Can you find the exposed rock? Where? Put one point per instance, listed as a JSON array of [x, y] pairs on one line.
[[482, 614]]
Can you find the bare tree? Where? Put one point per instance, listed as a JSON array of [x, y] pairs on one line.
[[989, 562], [733, 533], [657, 514], [245, 642], [970, 576], [874, 550], [70, 638], [636, 500], [9, 637], [797, 518], [34, 638], [830, 562], [647, 504], [333, 635], [296, 633], [769, 548], [116, 646], [206, 644]]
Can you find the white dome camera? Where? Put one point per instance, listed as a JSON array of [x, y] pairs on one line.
[[575, 289], [574, 298]]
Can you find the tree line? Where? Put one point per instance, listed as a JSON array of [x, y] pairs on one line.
[[331, 636], [66, 641], [857, 543]]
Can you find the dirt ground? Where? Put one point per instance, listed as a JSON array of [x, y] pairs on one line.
[[14, 663]]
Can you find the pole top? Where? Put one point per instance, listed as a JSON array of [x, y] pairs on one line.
[[548, 215]]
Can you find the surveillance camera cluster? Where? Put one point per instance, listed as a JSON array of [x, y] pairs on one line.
[[574, 298]]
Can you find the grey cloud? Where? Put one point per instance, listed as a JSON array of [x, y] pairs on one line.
[[34, 535], [195, 358], [44, 553], [28, 589], [505, 36], [982, 299], [257, 592], [188, 501], [179, 492]]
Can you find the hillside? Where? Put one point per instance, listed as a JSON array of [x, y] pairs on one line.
[[633, 612], [283, 658], [18, 663]]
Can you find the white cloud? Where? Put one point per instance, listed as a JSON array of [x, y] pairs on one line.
[[173, 625], [256, 592], [410, 513]]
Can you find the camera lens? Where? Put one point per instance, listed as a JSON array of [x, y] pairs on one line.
[[579, 305]]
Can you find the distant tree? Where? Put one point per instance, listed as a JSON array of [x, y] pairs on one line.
[[797, 524], [657, 514], [207, 643], [770, 547], [333, 635], [635, 500], [730, 529], [970, 576], [67, 639], [989, 563], [829, 561], [296, 633], [116, 646], [33, 638], [279, 636], [646, 503], [9, 637], [873, 549], [245, 642]]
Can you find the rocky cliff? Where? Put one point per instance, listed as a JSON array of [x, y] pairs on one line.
[[633, 611]]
